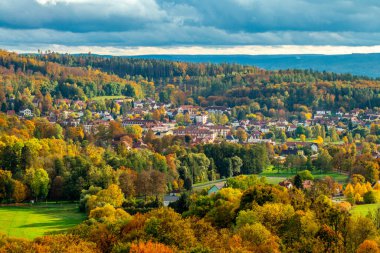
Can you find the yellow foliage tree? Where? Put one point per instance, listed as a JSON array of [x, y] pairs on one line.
[[109, 213], [358, 198], [319, 140], [377, 186], [368, 186], [112, 195], [349, 190]]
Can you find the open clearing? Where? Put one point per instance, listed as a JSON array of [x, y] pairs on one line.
[[107, 97], [341, 178], [364, 209], [206, 185], [33, 221]]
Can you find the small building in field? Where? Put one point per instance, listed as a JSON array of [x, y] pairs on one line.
[[215, 188], [170, 199], [26, 113], [286, 183]]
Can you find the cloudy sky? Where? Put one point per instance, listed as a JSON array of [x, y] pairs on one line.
[[132, 27]]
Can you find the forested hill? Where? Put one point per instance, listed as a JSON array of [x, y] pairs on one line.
[[356, 64], [247, 88]]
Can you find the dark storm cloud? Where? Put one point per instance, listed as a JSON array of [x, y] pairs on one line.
[[190, 22]]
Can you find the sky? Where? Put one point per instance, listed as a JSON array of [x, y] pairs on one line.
[[138, 27]]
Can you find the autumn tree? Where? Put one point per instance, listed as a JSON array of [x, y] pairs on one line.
[[6, 185], [149, 247]]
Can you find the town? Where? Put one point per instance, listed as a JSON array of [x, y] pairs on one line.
[[212, 124]]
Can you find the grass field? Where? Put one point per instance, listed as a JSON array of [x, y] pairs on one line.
[[30, 222], [107, 97], [274, 180], [317, 175], [364, 209], [201, 186]]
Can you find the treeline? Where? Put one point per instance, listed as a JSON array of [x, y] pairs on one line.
[[248, 89], [236, 85]]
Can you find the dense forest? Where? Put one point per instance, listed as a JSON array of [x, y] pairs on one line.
[[251, 88]]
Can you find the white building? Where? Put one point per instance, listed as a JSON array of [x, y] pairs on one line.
[[26, 113], [201, 119]]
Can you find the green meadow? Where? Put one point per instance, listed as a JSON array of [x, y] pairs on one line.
[[363, 210], [272, 173], [107, 97], [206, 185], [33, 221]]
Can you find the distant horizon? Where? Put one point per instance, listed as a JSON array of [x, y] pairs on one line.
[[200, 50], [356, 63]]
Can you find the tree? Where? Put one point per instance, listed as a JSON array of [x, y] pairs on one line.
[[101, 176], [244, 182], [19, 191], [166, 226], [188, 184], [246, 217], [38, 181], [236, 164], [6, 185], [75, 133], [158, 180], [196, 166], [109, 214], [47, 103], [241, 135], [226, 202], [57, 188], [149, 247], [127, 182], [306, 175], [223, 120], [226, 170], [258, 238], [324, 161], [359, 229], [179, 119], [298, 181], [368, 246], [370, 197], [112, 195], [182, 204], [262, 194], [135, 131]]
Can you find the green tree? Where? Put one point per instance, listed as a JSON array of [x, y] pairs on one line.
[[6, 185], [324, 161], [38, 181], [298, 182]]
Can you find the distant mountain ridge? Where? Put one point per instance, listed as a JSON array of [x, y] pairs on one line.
[[356, 64]]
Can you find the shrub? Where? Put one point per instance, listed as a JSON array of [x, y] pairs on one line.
[[371, 197], [306, 175]]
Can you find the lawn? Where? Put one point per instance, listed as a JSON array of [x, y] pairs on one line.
[[201, 186], [274, 180], [33, 221], [206, 185], [341, 178], [364, 209], [107, 97]]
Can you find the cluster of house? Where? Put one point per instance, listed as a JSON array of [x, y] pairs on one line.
[[200, 129]]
